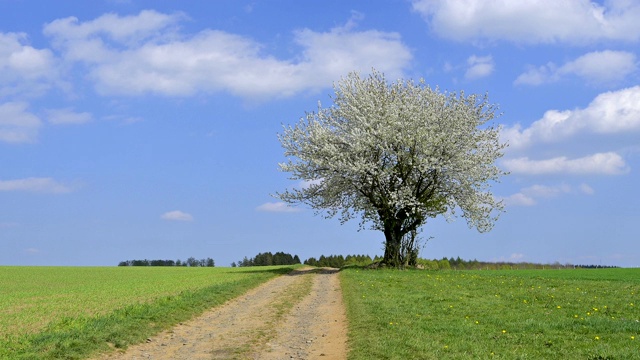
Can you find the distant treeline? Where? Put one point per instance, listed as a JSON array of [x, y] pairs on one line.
[[191, 262], [338, 261], [474, 264], [268, 259]]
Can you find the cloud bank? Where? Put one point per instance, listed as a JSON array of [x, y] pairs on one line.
[[146, 54], [611, 112], [598, 67], [532, 22]]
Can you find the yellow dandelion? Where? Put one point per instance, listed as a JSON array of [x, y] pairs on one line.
[[504, 331], [633, 337], [597, 337], [558, 307]]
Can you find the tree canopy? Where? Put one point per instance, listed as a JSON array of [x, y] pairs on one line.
[[394, 155]]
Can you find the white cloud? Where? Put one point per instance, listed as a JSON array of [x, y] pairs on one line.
[[519, 199], [33, 184], [24, 69], [609, 113], [586, 189], [276, 207], [144, 54], [132, 29], [599, 67], [570, 21], [176, 215], [608, 163], [479, 66], [17, 125], [528, 196], [68, 116]]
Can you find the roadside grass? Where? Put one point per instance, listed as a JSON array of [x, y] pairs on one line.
[[72, 313], [519, 314]]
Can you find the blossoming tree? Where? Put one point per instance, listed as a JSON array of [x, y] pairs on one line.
[[394, 155]]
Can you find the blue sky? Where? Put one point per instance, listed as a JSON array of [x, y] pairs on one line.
[[148, 129]]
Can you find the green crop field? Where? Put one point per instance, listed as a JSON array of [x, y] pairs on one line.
[[519, 314], [71, 312]]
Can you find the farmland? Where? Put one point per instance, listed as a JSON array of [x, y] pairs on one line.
[[536, 314], [73, 313], [65, 312]]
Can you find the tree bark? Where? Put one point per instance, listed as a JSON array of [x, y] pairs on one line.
[[393, 244]]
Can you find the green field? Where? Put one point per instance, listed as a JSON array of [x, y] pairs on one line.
[[519, 314], [70, 312]]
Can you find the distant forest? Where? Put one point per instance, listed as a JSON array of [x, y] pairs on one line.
[[268, 259], [191, 262], [339, 261]]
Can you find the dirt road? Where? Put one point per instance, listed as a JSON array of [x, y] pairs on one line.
[[296, 316]]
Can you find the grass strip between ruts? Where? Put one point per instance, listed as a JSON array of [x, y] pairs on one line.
[[81, 337]]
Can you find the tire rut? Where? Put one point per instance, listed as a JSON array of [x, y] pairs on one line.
[[295, 316]]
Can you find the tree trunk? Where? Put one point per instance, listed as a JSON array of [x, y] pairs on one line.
[[400, 248], [392, 247]]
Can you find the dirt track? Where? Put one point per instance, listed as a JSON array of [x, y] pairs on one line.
[[296, 316]]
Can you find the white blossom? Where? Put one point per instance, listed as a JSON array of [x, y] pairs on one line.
[[395, 155]]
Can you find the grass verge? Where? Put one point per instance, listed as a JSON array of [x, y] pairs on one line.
[[521, 314], [77, 337]]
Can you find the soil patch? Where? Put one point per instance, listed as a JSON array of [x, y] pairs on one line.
[[295, 316]]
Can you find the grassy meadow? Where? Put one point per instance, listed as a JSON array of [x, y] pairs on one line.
[[519, 314], [72, 312]]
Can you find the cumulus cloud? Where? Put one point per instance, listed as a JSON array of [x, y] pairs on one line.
[[598, 67], [68, 116], [529, 196], [176, 215], [23, 68], [573, 22], [144, 53], [609, 113], [479, 66], [276, 207], [17, 124], [34, 184], [608, 163]]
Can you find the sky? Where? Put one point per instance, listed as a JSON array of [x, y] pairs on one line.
[[148, 129]]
